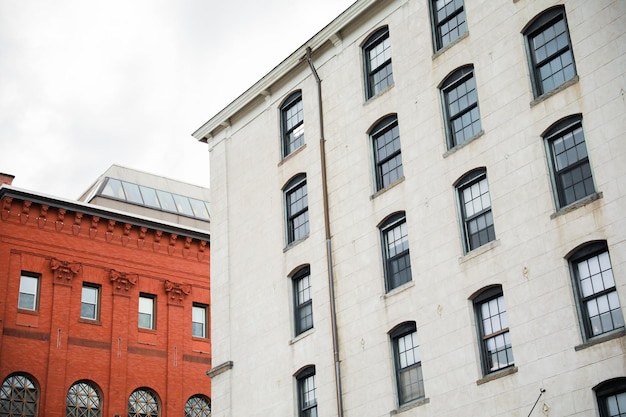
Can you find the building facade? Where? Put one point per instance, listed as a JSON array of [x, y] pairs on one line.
[[102, 312], [420, 212]]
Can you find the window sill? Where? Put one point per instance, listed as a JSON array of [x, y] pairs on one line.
[[554, 91], [302, 335], [450, 45], [294, 243], [616, 334], [389, 187], [464, 144], [577, 204], [399, 289], [200, 339], [90, 321], [292, 154], [410, 405], [144, 330], [497, 375], [479, 251], [30, 312], [375, 96]]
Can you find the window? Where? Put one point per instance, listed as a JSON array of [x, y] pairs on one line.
[[303, 304], [448, 21], [29, 292], [377, 58], [408, 363], [146, 311], [19, 396], [611, 397], [83, 400], [143, 402], [395, 242], [387, 157], [198, 406], [493, 330], [598, 304], [460, 101], [571, 171], [297, 207], [199, 320], [475, 207], [549, 49], [292, 117], [307, 398], [89, 302]]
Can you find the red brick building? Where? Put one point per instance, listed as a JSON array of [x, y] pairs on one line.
[[102, 312]]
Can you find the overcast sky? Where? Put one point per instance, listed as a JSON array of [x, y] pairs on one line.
[[86, 84]]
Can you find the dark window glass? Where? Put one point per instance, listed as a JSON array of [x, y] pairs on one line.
[[297, 205], [387, 155], [19, 397], [198, 406], [143, 403], [292, 116], [89, 302], [611, 397], [571, 171], [395, 241], [550, 50], [83, 400], [307, 397], [493, 326], [408, 363], [29, 292], [448, 21], [461, 106], [598, 302], [302, 301], [377, 57], [473, 191]]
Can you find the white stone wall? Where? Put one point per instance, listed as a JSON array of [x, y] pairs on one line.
[[252, 308]]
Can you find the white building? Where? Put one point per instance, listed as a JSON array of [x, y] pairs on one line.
[[368, 229]]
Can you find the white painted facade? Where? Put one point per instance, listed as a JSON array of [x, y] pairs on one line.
[[255, 352]]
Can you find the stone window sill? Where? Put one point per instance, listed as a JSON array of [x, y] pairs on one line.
[[409, 406], [464, 144], [601, 339], [557, 90], [576, 205], [387, 188], [497, 375]]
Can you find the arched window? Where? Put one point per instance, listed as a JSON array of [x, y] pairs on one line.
[[83, 400], [303, 302], [385, 137], [611, 397], [297, 208], [198, 406], [448, 19], [377, 59], [475, 209], [460, 105], [19, 396], [307, 392], [408, 362], [292, 120], [143, 402], [395, 243]]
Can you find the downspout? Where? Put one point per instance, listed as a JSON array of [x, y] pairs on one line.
[[329, 252]]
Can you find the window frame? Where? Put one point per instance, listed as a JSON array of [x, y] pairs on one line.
[[72, 410], [386, 227], [397, 334], [379, 133], [144, 392], [304, 377], [581, 254], [484, 297], [297, 183], [96, 305], [436, 24], [302, 307], [557, 131], [292, 101], [457, 78], [198, 405], [33, 391], [152, 299], [544, 20], [377, 38], [606, 389], [475, 176], [204, 325], [35, 302]]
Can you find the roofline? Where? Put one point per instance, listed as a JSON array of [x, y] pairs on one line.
[[92, 210], [322, 37]]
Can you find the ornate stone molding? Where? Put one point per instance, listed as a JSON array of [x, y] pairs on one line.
[[176, 291], [122, 282], [64, 271]]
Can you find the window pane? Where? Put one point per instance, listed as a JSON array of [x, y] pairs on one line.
[[113, 188], [146, 312], [19, 396], [199, 321], [182, 205], [149, 197], [83, 400], [28, 293], [377, 52], [198, 406], [132, 192]]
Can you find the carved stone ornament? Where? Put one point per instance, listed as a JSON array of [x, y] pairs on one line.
[[64, 271], [122, 281], [176, 291]]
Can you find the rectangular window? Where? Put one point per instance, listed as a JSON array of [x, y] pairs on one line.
[[448, 21], [307, 397], [199, 320], [146, 311], [396, 251], [493, 325], [408, 363], [29, 292], [292, 116], [473, 191], [297, 207], [303, 301], [377, 57], [90, 299], [461, 106], [387, 155]]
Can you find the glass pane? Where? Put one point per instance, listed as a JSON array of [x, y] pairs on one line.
[[183, 205], [113, 188], [132, 192], [149, 197]]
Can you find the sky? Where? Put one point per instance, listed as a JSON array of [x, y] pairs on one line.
[[85, 84]]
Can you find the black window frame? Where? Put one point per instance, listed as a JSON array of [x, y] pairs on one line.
[[546, 20], [607, 389], [298, 183], [484, 297], [294, 101], [473, 177], [584, 253], [387, 227], [457, 81], [303, 308], [396, 335], [303, 378], [569, 129], [372, 88], [441, 21], [387, 150], [97, 304]]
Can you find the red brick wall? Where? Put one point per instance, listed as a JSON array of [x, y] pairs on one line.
[[58, 348]]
